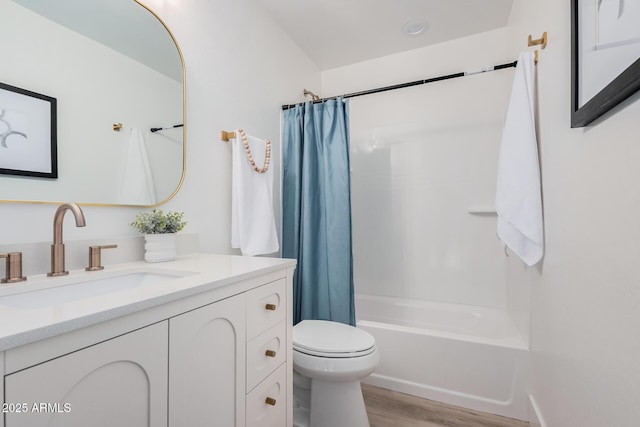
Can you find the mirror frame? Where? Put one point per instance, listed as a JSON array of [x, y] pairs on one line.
[[184, 137]]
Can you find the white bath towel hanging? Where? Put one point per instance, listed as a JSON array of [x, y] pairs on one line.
[[253, 226], [518, 192], [136, 184]]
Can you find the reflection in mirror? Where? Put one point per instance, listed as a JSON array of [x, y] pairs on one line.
[[106, 62]]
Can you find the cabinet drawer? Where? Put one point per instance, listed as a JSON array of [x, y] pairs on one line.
[[266, 352], [267, 403], [266, 306]]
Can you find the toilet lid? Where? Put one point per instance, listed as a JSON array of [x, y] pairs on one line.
[[331, 339]]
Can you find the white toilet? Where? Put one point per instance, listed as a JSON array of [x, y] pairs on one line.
[[329, 359]]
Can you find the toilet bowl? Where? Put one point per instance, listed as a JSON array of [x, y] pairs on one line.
[[329, 359]]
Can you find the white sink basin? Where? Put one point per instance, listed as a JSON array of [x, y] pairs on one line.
[[87, 288]]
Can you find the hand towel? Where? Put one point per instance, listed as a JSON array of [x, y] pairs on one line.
[[518, 192], [253, 226], [136, 184]]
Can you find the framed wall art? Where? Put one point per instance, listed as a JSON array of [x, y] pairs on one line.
[[605, 63], [28, 135]]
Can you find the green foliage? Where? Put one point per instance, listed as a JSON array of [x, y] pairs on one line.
[[156, 222]]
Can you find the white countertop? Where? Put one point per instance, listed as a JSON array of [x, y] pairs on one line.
[[43, 306]]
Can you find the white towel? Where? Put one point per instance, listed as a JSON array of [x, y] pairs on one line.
[[136, 184], [518, 195], [253, 225]]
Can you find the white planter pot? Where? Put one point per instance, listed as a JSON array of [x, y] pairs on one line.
[[160, 247]]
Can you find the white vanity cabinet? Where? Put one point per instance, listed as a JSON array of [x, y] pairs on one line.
[[214, 352], [119, 382]]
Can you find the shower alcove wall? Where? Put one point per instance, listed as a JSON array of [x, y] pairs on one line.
[[430, 273]]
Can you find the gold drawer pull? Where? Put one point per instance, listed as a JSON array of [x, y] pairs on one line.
[[271, 307], [270, 353], [270, 401]]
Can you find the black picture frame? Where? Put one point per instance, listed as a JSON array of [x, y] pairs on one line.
[[620, 88], [37, 113]]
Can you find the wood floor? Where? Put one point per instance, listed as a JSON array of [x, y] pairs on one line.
[[387, 408]]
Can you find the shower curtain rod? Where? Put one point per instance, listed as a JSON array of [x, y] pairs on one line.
[[414, 83]]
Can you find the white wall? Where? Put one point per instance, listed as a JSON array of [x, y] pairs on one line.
[[240, 68], [585, 323], [421, 158]]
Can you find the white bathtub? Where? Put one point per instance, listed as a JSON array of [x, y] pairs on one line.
[[462, 355]]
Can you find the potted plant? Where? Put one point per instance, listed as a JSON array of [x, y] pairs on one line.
[[159, 231]]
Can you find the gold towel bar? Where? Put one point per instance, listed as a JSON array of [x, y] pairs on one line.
[[226, 136]]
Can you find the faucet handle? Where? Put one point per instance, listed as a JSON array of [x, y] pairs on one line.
[[95, 262], [14, 268]]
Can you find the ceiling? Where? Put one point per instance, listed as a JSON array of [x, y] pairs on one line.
[[335, 33]]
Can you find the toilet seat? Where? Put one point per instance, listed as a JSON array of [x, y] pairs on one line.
[[323, 338], [334, 355]]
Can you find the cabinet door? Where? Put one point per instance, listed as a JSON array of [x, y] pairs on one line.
[[120, 382], [207, 366]]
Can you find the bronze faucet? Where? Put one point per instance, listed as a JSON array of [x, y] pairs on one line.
[[57, 249], [14, 268]]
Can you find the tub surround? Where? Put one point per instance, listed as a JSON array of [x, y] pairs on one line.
[[200, 303]]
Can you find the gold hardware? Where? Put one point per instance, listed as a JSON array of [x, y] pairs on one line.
[[270, 353], [541, 41], [270, 401], [314, 97], [95, 263], [226, 136], [270, 307], [57, 248], [14, 268], [117, 127]]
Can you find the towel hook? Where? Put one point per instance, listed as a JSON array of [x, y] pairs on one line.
[[541, 41]]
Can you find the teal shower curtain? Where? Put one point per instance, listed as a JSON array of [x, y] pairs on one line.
[[316, 209]]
